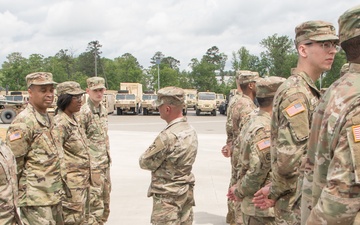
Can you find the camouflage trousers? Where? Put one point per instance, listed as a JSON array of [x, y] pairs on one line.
[[238, 214], [173, 210], [99, 196], [50, 215], [9, 214], [284, 211], [74, 207], [252, 220]]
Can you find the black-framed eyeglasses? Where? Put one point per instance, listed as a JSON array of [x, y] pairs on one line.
[[326, 45]]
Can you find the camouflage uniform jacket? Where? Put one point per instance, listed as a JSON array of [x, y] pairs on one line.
[[334, 152], [170, 159], [294, 103], [8, 186], [243, 110], [36, 147], [255, 163], [76, 161], [95, 124], [229, 123]]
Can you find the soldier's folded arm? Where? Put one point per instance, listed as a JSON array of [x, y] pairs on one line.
[[153, 157]]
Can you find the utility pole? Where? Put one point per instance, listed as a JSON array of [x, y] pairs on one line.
[[158, 59], [95, 55]]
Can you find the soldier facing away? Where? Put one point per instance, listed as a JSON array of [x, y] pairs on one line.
[[34, 142], [170, 159]]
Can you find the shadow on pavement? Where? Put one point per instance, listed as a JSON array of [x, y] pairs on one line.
[[207, 218]]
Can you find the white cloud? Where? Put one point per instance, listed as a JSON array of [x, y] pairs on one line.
[[181, 29]]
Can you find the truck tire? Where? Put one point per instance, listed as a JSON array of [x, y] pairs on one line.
[[145, 111], [7, 116], [184, 112], [118, 111], [213, 112], [197, 112]]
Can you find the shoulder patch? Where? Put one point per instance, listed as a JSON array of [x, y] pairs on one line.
[[263, 144], [15, 135], [356, 132], [294, 109]]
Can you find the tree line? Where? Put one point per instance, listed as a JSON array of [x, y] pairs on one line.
[[278, 57]]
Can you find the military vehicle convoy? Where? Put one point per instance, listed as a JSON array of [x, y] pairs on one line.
[[128, 98], [206, 103]]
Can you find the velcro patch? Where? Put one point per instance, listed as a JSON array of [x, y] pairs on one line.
[[15, 136], [356, 132], [297, 108], [263, 144]]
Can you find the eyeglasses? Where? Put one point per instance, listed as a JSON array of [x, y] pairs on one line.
[[326, 45], [77, 97]]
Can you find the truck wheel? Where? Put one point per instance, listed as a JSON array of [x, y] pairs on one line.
[[118, 111], [184, 112], [197, 112], [213, 112], [145, 112], [7, 116]]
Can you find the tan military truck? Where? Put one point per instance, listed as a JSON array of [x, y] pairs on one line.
[[220, 99], [128, 98], [190, 96], [206, 103], [147, 105]]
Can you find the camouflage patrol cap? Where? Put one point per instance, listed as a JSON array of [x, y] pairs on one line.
[[94, 83], [349, 24], [266, 87], [315, 30], [39, 78], [69, 87], [170, 95], [246, 76]]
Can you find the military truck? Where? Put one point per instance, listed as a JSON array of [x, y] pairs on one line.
[[109, 101], [128, 98], [206, 103], [219, 99], [190, 96], [147, 105], [12, 104]]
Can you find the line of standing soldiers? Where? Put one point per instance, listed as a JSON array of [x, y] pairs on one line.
[[57, 170], [298, 161]]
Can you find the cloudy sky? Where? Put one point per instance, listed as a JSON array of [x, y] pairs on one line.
[[183, 29]]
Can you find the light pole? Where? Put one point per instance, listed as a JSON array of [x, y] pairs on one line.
[[158, 59]]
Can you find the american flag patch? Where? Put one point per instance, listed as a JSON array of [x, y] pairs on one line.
[[263, 144], [356, 133], [15, 135], [295, 109]]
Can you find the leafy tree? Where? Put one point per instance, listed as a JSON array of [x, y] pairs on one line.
[[14, 71], [243, 60], [276, 56], [93, 48]]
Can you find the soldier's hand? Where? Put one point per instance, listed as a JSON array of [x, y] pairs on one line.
[[231, 194], [261, 200], [226, 151]]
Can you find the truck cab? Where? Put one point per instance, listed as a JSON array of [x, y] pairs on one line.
[[206, 103]]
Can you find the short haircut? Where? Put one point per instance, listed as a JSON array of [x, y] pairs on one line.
[[265, 102], [351, 48]]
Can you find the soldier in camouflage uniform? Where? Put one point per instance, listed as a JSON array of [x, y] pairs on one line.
[[170, 159], [226, 150], [8, 187], [254, 155], [76, 163], [242, 110], [334, 145], [32, 138], [93, 119], [294, 103]]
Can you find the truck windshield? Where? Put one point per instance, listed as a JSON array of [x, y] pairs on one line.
[[206, 96], [14, 98], [191, 96], [125, 97], [149, 97]]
